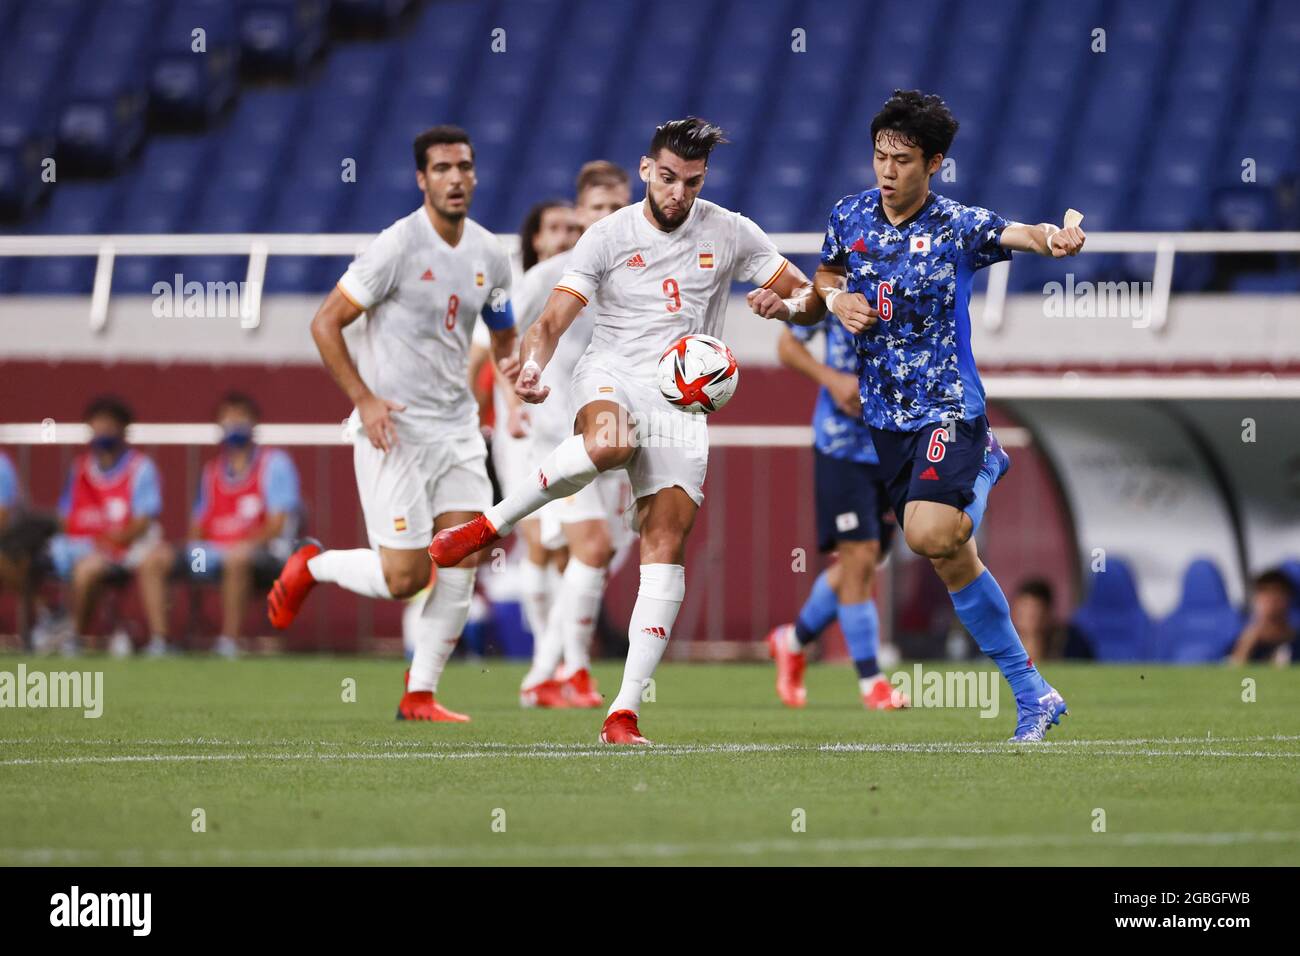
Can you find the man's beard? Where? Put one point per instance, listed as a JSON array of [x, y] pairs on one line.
[[451, 215], [668, 225]]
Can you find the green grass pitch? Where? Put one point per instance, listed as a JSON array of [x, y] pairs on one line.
[[286, 771]]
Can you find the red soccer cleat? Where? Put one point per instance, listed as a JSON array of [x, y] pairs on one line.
[[421, 705], [581, 691], [547, 693], [789, 667], [292, 586], [453, 545], [884, 696], [620, 728]]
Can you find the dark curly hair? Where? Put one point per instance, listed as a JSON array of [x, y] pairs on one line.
[[919, 119]]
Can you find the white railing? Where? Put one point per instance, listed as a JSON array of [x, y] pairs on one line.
[[260, 247]]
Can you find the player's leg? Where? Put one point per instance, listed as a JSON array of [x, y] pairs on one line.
[[542, 686], [460, 490], [603, 440], [591, 549], [664, 519], [392, 487], [535, 593], [941, 530]]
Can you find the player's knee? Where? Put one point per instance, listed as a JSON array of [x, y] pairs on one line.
[[664, 545], [404, 582], [932, 542], [609, 456]]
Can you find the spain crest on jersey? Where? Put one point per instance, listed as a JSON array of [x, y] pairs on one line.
[[480, 274], [705, 250]]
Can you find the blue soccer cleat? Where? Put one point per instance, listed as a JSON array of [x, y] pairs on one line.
[[998, 454], [1037, 716]]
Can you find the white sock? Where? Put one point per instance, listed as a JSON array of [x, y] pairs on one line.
[[580, 596], [548, 646], [792, 641], [535, 597], [439, 626], [359, 571], [563, 472], [658, 599]]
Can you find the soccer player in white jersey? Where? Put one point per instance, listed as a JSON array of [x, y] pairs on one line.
[[417, 450], [591, 521], [658, 270]]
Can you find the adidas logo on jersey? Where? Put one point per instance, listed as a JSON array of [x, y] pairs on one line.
[[428, 275], [929, 474], [636, 262], [541, 480]]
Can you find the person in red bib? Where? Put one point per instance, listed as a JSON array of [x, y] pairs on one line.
[[109, 512], [245, 517]]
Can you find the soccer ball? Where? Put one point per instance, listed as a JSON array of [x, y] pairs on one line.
[[698, 374]]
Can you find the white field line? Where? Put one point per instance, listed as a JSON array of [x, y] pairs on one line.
[[598, 852], [551, 745], [567, 752]]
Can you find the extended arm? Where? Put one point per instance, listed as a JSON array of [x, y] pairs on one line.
[[538, 345], [1046, 239], [791, 298]]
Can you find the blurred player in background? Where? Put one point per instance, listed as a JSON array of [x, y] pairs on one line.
[[549, 229], [588, 523], [417, 450], [659, 270], [9, 498], [897, 265], [109, 509], [852, 505], [245, 516]]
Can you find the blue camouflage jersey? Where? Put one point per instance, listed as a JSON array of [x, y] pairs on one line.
[[916, 365], [835, 433]]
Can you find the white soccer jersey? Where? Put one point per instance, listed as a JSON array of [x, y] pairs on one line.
[[422, 298], [534, 289], [655, 286]]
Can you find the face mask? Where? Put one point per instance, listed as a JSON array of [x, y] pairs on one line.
[[106, 443], [238, 436]]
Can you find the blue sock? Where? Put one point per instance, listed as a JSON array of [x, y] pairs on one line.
[[861, 627], [984, 482], [983, 609], [817, 612]]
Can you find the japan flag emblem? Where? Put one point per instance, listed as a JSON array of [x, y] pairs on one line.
[[919, 244]]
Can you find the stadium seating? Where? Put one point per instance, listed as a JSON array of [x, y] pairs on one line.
[[1111, 618], [1148, 134], [1205, 625]]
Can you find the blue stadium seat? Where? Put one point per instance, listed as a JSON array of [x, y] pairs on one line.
[[281, 37], [1204, 625], [1111, 619], [190, 89], [74, 207], [103, 116]]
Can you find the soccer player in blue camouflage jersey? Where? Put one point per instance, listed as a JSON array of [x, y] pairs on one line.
[[852, 507], [897, 266]]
